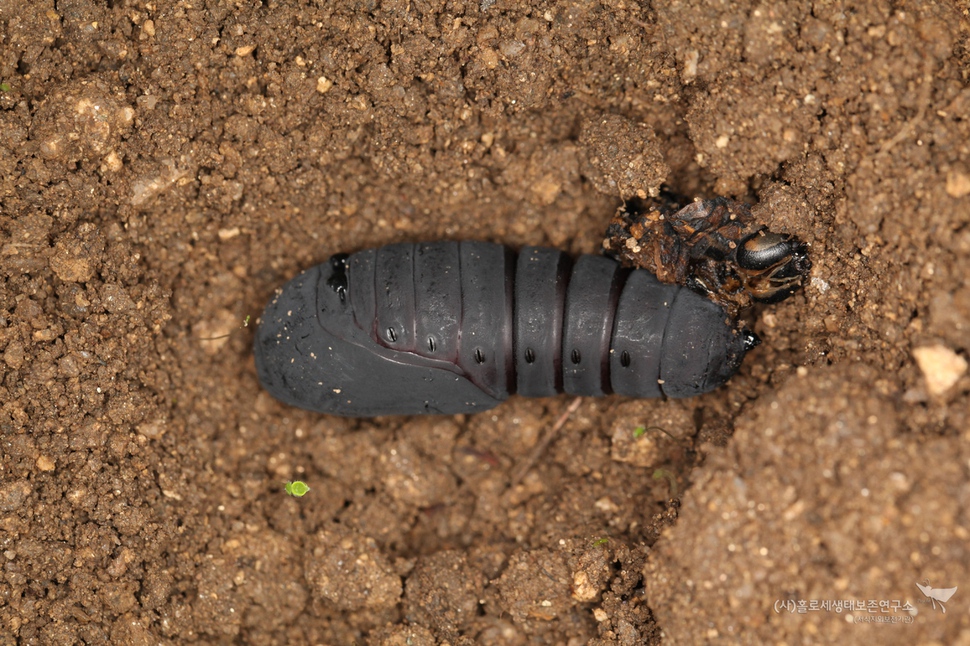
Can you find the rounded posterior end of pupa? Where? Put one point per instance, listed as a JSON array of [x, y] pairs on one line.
[[702, 348], [282, 325]]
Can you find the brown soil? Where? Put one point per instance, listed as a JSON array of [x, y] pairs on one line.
[[166, 165]]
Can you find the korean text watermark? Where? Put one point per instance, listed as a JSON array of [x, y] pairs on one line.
[[882, 611]]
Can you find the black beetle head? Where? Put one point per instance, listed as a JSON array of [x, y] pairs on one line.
[[763, 250], [773, 265]]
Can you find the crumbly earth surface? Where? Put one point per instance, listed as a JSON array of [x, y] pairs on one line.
[[167, 164]]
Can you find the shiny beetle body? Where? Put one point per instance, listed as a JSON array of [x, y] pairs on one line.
[[456, 327], [774, 265]]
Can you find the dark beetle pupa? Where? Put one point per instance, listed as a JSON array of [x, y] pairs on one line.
[[456, 327]]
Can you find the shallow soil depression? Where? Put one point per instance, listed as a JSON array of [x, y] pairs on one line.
[[166, 165]]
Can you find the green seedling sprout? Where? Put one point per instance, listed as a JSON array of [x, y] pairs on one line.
[[600, 542], [640, 431], [4, 87], [297, 488]]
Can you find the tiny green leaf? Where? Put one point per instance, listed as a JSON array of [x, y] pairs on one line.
[[4, 87], [601, 541], [640, 431], [296, 488]]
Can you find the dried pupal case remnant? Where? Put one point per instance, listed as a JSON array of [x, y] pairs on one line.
[[714, 247]]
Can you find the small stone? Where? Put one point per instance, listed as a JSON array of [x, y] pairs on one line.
[[45, 335], [324, 84], [45, 463], [941, 366], [112, 162], [228, 234], [690, 66], [957, 184], [153, 429], [583, 589], [14, 355]]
